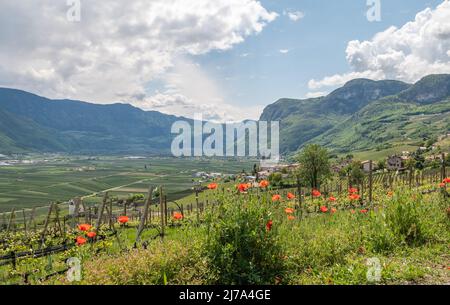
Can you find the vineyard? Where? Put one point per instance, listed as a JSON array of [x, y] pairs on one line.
[[241, 233]]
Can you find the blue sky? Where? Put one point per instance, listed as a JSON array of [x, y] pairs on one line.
[[255, 72]]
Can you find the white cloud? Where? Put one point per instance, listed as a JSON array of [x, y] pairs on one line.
[[315, 94], [284, 51], [295, 15], [190, 91], [418, 48], [118, 47]]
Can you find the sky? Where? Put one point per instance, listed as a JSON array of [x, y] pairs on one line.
[[223, 59]]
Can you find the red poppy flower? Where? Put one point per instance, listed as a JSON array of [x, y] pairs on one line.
[[446, 180], [352, 190], [290, 217], [81, 241], [84, 227], [276, 198], [264, 184], [212, 186], [332, 199], [91, 234], [390, 193], [354, 197], [323, 209], [123, 219], [177, 216], [290, 196], [316, 193], [352, 211], [442, 184], [269, 225], [333, 210], [242, 187], [364, 211], [289, 211]]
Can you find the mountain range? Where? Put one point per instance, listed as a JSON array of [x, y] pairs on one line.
[[362, 115], [365, 115]]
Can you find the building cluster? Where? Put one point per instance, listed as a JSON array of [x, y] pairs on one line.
[[265, 171]]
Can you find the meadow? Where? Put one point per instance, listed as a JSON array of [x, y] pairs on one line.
[[257, 234], [61, 178]]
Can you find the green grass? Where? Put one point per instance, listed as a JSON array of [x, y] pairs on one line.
[[27, 186]]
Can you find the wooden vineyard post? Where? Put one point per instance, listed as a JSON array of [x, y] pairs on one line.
[[443, 173], [24, 222], [110, 215], [47, 221], [86, 216], [196, 201], [31, 218], [11, 220], [57, 220], [4, 224], [100, 213], [370, 181], [165, 208], [410, 177], [161, 213], [75, 214], [144, 215], [299, 191]]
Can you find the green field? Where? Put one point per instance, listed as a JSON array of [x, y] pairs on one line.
[[62, 178]]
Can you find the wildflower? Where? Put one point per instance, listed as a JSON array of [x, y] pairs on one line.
[[84, 227], [123, 219], [446, 180], [333, 210], [264, 184], [212, 186], [276, 198], [177, 216], [289, 211], [390, 193], [352, 211], [290, 217], [269, 225], [332, 199], [352, 190], [316, 193], [364, 211], [442, 185], [242, 187], [354, 197], [91, 234], [323, 209], [290, 196], [81, 241]]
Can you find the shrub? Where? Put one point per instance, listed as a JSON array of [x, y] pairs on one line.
[[240, 248], [174, 262], [408, 218]]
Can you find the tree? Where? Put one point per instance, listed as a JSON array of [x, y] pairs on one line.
[[355, 173], [276, 179], [381, 164], [314, 165]]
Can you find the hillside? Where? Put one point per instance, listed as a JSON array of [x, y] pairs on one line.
[[366, 115], [420, 113], [33, 123], [304, 120]]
